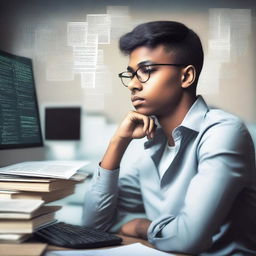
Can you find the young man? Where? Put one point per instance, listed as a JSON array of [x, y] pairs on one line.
[[195, 179]]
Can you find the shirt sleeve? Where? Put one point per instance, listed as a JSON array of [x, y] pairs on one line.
[[225, 165], [113, 199], [100, 200]]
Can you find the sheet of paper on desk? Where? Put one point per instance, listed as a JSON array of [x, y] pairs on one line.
[[136, 249], [50, 169]]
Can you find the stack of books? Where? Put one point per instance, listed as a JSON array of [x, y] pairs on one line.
[[19, 218], [25, 190]]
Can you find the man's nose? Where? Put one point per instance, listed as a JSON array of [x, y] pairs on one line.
[[134, 84]]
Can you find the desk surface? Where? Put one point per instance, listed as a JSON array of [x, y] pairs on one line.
[[126, 240]]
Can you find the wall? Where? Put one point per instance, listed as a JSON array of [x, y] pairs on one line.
[[39, 29]]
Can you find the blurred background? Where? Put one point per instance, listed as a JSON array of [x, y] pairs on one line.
[[74, 48]]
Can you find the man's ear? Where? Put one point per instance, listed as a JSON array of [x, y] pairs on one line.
[[188, 76]]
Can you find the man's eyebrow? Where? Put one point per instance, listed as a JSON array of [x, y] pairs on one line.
[[144, 63], [140, 64]]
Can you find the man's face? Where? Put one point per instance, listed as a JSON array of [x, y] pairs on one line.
[[161, 94]]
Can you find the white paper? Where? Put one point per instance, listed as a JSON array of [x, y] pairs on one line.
[[51, 169], [229, 31], [219, 24], [100, 24], [100, 57], [219, 50], [85, 57], [12, 237], [19, 205], [240, 31], [77, 33], [136, 249], [120, 20], [92, 39]]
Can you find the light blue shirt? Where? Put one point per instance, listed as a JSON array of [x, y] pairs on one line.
[[205, 203]]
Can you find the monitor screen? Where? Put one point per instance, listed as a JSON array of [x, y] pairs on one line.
[[62, 123], [19, 115]]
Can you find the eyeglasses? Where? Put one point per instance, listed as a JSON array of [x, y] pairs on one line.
[[142, 73]]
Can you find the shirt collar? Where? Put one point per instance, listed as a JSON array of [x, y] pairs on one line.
[[196, 114], [192, 120]]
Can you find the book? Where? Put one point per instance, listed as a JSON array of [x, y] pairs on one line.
[[49, 169], [47, 197], [28, 215], [13, 238], [22, 206], [9, 182], [25, 249], [25, 226]]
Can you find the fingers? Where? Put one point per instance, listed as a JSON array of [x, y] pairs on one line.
[[149, 125], [146, 123], [137, 126], [151, 128]]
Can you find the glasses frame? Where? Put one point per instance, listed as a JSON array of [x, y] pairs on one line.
[[135, 73]]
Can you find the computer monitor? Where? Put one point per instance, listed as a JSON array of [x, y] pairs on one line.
[[62, 123], [19, 114]]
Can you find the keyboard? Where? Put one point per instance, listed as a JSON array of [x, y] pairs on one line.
[[74, 236]]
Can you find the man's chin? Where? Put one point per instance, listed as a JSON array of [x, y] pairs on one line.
[[144, 111]]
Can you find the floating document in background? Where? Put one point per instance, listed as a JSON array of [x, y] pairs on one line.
[[77, 33], [229, 31], [120, 20], [85, 57], [100, 24]]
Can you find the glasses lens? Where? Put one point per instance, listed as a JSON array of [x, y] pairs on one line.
[[143, 74], [126, 78]]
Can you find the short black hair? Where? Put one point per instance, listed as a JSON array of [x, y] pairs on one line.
[[175, 36]]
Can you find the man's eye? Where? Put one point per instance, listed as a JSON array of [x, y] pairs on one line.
[[146, 70]]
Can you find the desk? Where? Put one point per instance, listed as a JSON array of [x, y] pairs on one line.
[[126, 240]]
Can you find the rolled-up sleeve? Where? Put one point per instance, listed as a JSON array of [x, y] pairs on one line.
[[225, 156]]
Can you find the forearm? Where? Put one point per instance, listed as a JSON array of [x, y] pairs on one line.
[[114, 153], [134, 126], [136, 227]]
